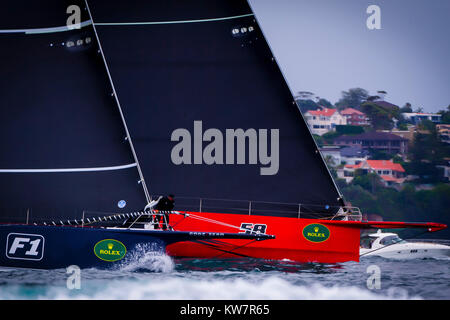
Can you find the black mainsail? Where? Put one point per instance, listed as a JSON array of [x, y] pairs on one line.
[[64, 146], [183, 67]]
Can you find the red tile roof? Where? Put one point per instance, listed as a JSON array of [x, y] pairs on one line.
[[350, 111], [324, 112], [353, 166], [386, 165], [378, 165]]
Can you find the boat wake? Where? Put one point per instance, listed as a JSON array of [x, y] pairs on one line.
[[272, 288]]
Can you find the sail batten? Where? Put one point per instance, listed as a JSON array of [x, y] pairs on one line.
[[48, 170], [170, 22], [46, 30]]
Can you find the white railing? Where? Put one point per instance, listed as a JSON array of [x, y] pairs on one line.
[[300, 210], [248, 207]]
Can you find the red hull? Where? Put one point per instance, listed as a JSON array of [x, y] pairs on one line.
[[341, 243]]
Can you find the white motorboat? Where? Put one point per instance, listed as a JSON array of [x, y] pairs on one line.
[[390, 245]]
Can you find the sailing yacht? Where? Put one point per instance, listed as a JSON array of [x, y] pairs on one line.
[[149, 98], [69, 176]]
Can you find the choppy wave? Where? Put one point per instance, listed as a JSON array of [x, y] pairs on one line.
[[272, 288], [150, 274]]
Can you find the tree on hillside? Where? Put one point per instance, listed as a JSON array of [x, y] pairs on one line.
[[426, 152], [380, 118], [376, 154], [373, 98], [445, 119], [319, 140], [304, 95], [306, 105], [402, 123], [406, 108], [429, 147], [352, 98], [370, 181], [329, 137], [402, 126], [405, 205], [325, 103]]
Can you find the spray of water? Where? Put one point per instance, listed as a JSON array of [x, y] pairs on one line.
[[147, 257]]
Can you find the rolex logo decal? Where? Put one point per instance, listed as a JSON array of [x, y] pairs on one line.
[[110, 250], [316, 232]]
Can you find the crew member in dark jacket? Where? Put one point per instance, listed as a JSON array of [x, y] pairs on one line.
[[165, 204]]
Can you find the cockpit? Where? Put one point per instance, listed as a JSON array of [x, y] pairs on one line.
[[368, 241], [390, 240]]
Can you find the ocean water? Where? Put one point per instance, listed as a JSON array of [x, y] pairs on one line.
[[151, 275]]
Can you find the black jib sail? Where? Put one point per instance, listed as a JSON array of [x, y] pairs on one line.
[[64, 146], [209, 111]]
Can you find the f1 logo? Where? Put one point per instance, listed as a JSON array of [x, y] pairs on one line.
[[24, 246]]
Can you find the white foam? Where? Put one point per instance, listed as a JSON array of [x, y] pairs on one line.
[[147, 257], [238, 289]]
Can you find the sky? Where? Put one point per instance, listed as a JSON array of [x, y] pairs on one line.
[[324, 46]]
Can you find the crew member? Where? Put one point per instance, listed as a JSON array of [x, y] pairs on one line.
[[165, 204]]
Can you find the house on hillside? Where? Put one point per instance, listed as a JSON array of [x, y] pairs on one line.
[[331, 154], [382, 141], [417, 117], [324, 120], [385, 105], [407, 134], [445, 169], [335, 155], [355, 117], [380, 101], [443, 131], [353, 155], [391, 173]]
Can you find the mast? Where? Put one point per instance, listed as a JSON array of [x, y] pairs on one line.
[[142, 180]]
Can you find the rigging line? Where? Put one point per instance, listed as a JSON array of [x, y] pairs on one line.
[[208, 243], [171, 22], [139, 214], [173, 226], [213, 221], [237, 247], [144, 186], [131, 165]]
